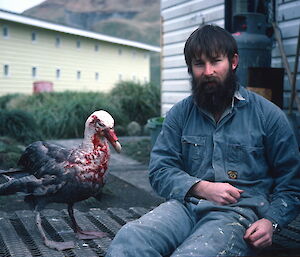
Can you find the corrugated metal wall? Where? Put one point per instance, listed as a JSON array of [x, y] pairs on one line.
[[181, 17]]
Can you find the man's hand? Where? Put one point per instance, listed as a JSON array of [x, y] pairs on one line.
[[220, 193], [260, 233]]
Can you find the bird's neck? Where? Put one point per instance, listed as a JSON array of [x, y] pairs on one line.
[[92, 141]]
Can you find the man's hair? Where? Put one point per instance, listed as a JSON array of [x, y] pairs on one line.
[[210, 41]]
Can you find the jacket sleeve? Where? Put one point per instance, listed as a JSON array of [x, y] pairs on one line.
[[166, 173], [284, 158]]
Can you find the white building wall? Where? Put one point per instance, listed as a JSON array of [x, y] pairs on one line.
[[179, 19]]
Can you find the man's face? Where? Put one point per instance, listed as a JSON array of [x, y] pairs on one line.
[[214, 82]]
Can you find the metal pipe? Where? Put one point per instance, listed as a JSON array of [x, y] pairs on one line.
[[294, 88], [285, 61]]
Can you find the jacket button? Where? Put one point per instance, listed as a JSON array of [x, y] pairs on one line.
[[232, 174]]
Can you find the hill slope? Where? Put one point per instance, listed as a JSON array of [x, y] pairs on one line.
[[137, 20]]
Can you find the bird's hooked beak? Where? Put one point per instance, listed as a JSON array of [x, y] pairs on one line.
[[113, 139]]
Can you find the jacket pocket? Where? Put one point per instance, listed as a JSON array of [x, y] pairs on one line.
[[193, 147], [193, 151], [248, 160]]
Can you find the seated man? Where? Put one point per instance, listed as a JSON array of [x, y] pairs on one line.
[[226, 160]]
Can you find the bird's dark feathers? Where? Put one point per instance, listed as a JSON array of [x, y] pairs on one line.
[[48, 168], [42, 158]]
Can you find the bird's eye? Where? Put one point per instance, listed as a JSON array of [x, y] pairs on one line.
[[101, 124]]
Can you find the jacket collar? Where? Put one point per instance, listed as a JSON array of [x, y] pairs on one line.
[[242, 96]]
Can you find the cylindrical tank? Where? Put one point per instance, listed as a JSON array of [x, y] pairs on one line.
[[42, 86], [253, 44]]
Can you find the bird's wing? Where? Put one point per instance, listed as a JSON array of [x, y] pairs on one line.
[[41, 159], [45, 164], [30, 185]]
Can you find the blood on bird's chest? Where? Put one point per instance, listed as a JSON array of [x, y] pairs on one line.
[[94, 165]]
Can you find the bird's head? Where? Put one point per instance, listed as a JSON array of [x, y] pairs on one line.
[[101, 123]]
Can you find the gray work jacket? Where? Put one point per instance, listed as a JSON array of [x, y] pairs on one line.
[[252, 147]]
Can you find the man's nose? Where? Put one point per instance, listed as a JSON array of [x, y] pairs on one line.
[[208, 69]]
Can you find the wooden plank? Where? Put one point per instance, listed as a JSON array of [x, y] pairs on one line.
[[289, 28], [171, 97], [194, 19], [289, 47], [174, 62], [176, 85], [190, 7], [170, 3], [181, 35], [176, 73], [288, 11]]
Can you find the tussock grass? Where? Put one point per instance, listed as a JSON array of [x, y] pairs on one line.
[[59, 115]]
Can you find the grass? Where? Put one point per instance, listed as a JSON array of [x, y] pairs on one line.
[[10, 152], [138, 150], [63, 114]]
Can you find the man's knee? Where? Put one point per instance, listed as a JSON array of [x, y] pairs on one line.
[[130, 231]]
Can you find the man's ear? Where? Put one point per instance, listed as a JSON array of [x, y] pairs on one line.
[[234, 61]]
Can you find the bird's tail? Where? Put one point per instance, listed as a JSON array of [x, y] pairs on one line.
[[26, 185], [11, 171], [30, 185]]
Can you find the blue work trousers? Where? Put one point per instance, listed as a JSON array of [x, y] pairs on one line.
[[176, 229]]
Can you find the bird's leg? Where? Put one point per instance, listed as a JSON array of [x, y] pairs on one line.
[[80, 233], [51, 244]]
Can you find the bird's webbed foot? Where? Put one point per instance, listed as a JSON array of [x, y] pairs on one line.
[[60, 246], [89, 234], [80, 233]]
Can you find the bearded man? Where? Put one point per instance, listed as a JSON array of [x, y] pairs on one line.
[[226, 160]]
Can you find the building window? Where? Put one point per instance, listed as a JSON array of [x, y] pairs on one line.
[[134, 78], [120, 51], [96, 48], [133, 54], [78, 44], [34, 72], [57, 41], [120, 77], [57, 73], [6, 70], [78, 75], [5, 32], [97, 76], [33, 37], [145, 56]]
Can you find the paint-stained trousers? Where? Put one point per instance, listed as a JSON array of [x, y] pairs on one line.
[[181, 230]]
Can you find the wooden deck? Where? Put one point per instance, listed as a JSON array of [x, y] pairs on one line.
[[20, 237]]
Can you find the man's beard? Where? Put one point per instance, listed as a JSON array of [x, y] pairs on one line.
[[214, 95]]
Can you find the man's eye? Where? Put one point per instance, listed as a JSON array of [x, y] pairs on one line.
[[198, 63]]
